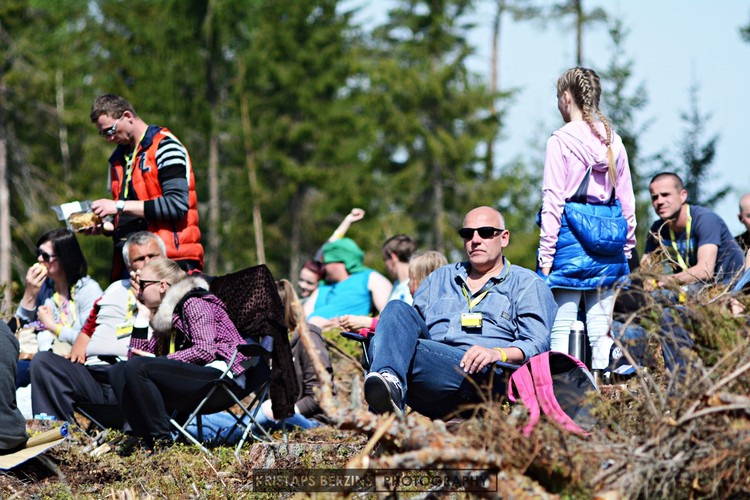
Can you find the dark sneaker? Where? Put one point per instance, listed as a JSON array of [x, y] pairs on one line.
[[383, 393], [128, 445], [158, 444]]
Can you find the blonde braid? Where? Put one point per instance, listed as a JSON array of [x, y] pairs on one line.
[[585, 87], [608, 142]]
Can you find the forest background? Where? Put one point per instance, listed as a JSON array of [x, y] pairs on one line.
[[295, 111]]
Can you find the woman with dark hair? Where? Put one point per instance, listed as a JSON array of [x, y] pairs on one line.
[[59, 295], [309, 276]]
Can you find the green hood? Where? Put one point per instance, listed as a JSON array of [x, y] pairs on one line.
[[345, 250]]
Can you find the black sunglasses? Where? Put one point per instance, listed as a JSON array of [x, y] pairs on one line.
[[44, 255], [142, 284], [109, 132], [485, 232]]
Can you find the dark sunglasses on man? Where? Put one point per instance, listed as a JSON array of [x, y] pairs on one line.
[[44, 255], [109, 132], [485, 232]]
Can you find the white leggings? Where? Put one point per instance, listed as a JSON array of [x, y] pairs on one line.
[[599, 305]]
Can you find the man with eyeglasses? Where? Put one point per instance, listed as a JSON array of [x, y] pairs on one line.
[[58, 383], [468, 319], [152, 183]]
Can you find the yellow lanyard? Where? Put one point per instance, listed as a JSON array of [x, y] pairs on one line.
[[65, 307], [680, 259], [476, 300], [129, 160], [131, 307]]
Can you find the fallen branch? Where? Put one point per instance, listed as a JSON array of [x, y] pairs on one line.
[[438, 455], [361, 461]]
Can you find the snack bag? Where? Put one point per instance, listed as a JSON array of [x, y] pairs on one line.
[[77, 215]]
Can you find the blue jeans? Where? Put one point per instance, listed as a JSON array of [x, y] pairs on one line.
[[220, 428], [432, 381], [673, 338], [742, 282], [296, 420]]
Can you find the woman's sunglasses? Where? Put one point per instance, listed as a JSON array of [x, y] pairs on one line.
[[485, 232], [44, 255], [142, 284]]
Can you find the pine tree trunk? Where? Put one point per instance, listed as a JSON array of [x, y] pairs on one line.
[[5, 242], [62, 128], [494, 85], [252, 169], [295, 241], [579, 32], [214, 220]]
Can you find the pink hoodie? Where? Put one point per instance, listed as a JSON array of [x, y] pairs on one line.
[[570, 151]]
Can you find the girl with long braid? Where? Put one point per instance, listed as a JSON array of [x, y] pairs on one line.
[[587, 165]]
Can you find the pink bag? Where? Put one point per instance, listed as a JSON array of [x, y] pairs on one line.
[[556, 384]]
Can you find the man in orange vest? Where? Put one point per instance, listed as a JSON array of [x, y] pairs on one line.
[[151, 182]]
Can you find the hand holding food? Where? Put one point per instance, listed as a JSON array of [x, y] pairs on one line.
[[35, 276]]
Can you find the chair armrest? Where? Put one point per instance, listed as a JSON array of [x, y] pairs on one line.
[[251, 350], [355, 336]]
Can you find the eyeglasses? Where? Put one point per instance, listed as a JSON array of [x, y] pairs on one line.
[[46, 257], [142, 284], [109, 132], [485, 232]]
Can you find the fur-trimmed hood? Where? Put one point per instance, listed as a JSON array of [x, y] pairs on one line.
[[162, 320]]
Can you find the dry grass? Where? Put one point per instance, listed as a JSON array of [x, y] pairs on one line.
[[659, 436]]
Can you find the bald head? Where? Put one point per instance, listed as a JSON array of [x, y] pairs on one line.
[[485, 239], [744, 214], [487, 214], [745, 202]]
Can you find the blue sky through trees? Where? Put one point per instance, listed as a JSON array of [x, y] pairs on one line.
[[672, 44]]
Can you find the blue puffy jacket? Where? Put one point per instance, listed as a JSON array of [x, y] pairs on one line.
[[575, 268]]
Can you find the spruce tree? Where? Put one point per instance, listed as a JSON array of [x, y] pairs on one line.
[[698, 153], [621, 104], [306, 128], [432, 114]]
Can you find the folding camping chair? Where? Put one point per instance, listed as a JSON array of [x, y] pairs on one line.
[[364, 340], [254, 305], [248, 411]]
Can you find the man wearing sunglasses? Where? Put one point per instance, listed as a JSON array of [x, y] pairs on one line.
[[152, 183], [468, 319], [59, 383]]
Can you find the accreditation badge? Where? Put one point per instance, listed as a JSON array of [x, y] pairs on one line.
[[124, 329], [471, 320]]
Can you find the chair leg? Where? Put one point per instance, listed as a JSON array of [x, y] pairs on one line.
[[366, 356], [259, 398], [195, 414]]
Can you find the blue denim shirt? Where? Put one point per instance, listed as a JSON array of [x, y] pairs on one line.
[[518, 310]]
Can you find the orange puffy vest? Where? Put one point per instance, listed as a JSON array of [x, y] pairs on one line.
[[182, 238]]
